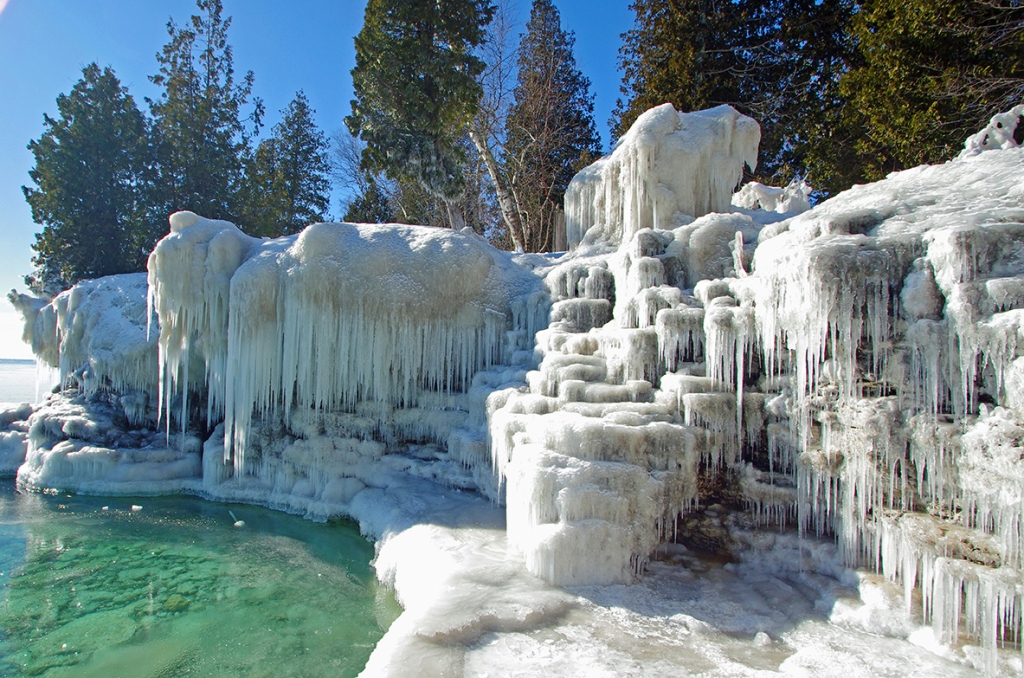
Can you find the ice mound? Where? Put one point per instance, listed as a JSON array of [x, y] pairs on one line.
[[13, 438], [668, 166], [94, 333], [86, 444], [340, 317]]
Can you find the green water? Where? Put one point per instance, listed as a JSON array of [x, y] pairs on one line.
[[176, 590]]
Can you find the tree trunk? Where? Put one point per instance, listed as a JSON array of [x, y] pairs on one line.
[[508, 208], [456, 220]]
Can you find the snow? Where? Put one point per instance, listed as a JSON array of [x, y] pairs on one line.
[[725, 435], [794, 198], [998, 134]]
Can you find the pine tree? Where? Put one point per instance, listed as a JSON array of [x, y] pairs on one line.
[[930, 73], [416, 89], [90, 178], [199, 131], [550, 131], [287, 179]]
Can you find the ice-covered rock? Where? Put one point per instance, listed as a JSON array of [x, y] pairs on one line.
[[94, 333], [340, 317], [667, 167]]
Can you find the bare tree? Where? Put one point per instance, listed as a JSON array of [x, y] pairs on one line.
[[488, 129], [550, 131]]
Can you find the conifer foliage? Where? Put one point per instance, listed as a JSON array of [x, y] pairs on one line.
[[778, 61], [107, 176], [90, 190], [550, 131], [199, 130], [416, 88], [931, 72], [287, 180], [845, 91], [686, 52]]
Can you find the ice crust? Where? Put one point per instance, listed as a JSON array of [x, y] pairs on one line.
[[794, 391]]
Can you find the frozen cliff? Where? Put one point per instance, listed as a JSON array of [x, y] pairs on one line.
[[796, 393]]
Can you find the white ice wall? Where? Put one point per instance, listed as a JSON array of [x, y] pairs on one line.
[[339, 315]]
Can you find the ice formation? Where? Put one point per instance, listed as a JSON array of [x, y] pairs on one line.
[[852, 370], [352, 331], [795, 390], [667, 167], [793, 199], [94, 333]]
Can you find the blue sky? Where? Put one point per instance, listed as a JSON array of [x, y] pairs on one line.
[[298, 44]]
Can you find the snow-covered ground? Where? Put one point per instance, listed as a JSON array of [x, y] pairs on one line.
[[664, 453]]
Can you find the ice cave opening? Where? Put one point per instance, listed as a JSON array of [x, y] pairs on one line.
[[810, 389]]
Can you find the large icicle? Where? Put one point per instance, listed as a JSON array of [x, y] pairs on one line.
[[190, 273]]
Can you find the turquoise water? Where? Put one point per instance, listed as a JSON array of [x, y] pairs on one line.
[[175, 589]]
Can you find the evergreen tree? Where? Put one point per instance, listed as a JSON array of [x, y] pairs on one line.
[[804, 47], [416, 89], [550, 131], [90, 178], [686, 52], [287, 179], [372, 206], [199, 131], [930, 73], [779, 61]]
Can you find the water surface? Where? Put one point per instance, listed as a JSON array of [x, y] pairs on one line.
[[21, 381], [90, 587]]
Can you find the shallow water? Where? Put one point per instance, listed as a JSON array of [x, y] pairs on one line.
[[174, 589]]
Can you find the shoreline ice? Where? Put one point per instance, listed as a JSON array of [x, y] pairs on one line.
[[746, 383]]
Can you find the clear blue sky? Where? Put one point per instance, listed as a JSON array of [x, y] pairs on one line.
[[289, 45]]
